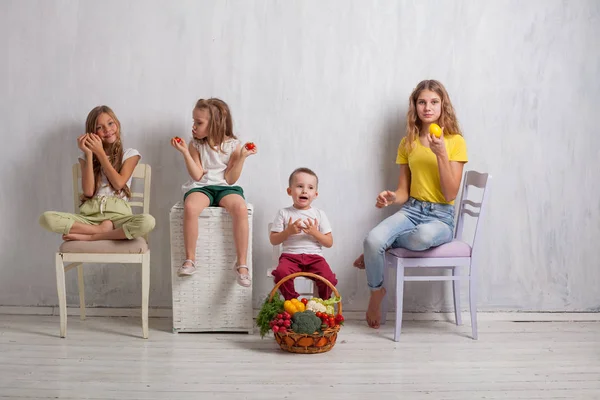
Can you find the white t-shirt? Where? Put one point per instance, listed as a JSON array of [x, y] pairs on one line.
[[105, 189], [214, 164], [301, 243]]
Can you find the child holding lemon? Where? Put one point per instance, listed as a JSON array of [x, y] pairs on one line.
[[431, 155]]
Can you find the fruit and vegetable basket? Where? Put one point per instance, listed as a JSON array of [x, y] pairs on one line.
[[307, 326]]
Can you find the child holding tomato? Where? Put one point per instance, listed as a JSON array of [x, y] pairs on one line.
[[106, 175], [214, 159], [431, 166], [303, 230]]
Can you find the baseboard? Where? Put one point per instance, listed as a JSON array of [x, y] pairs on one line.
[[154, 312], [482, 316]]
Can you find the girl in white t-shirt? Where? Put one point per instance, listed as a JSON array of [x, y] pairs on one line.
[[214, 159], [106, 174]]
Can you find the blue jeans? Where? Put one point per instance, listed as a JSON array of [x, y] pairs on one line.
[[418, 226]]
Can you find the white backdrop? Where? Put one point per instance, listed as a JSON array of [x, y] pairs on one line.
[[321, 84]]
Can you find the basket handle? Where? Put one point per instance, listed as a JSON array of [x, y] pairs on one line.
[[307, 275]]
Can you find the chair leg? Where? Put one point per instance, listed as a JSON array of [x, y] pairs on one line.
[[456, 295], [385, 305], [399, 298], [473, 305], [81, 286], [62, 296], [145, 292]]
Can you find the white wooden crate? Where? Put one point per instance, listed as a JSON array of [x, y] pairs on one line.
[[210, 300]]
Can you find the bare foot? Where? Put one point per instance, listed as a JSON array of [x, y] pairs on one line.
[[374, 310], [76, 236], [106, 226], [360, 262]]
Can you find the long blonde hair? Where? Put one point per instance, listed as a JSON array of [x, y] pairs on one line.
[[114, 151], [220, 125], [447, 118]]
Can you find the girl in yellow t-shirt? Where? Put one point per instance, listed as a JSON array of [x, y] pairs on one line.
[[430, 174]]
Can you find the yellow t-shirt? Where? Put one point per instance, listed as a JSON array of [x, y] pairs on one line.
[[424, 173]]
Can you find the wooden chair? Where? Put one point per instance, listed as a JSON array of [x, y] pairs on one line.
[[76, 253], [454, 255]]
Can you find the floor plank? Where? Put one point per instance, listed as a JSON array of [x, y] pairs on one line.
[[104, 358]]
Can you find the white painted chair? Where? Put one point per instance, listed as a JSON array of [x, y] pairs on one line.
[[134, 251], [453, 255], [305, 287]]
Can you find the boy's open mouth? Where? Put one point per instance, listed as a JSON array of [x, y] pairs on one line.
[[303, 197]]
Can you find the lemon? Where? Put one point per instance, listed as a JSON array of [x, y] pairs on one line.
[[435, 130]]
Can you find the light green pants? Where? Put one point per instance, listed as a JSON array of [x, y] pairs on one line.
[[99, 209]]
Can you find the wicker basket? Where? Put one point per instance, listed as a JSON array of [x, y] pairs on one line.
[[306, 343], [210, 300]]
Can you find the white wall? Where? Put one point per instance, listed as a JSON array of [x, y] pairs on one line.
[[322, 84]]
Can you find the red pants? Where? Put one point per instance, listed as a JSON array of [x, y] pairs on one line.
[[292, 263]]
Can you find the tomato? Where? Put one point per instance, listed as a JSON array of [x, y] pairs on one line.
[[304, 301], [331, 321], [250, 146], [339, 318], [177, 139], [319, 314]]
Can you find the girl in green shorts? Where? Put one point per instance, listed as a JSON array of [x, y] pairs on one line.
[[214, 159]]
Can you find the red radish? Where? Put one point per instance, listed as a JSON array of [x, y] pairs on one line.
[[275, 329], [282, 330], [279, 316]]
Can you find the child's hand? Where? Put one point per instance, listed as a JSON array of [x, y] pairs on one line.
[[248, 149], [81, 144], [179, 145], [94, 143], [385, 198], [311, 227], [295, 227], [437, 145]]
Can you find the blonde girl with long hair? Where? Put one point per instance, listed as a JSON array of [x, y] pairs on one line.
[[431, 170], [106, 175]]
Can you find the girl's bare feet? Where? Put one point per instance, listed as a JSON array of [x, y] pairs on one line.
[[103, 227], [76, 236], [374, 310], [106, 226], [360, 262]]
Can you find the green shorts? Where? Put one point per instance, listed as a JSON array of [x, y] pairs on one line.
[[216, 193]]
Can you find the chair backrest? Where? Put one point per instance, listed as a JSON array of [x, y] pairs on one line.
[[276, 252], [474, 209], [141, 171]]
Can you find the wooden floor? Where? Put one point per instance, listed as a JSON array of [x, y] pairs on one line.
[[104, 358]]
